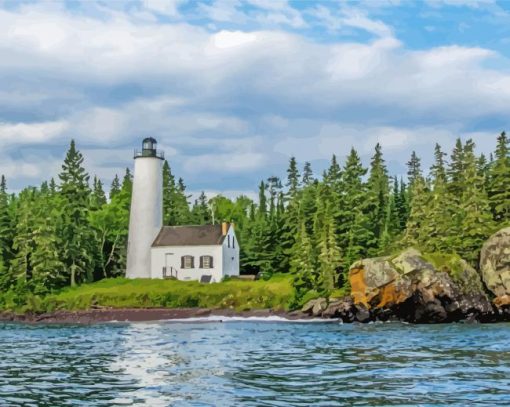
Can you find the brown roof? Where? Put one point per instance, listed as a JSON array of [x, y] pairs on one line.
[[206, 235]]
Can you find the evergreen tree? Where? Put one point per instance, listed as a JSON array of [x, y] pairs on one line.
[[6, 230], [476, 224], [302, 262], [98, 197], [418, 212], [413, 169], [201, 214], [499, 181], [307, 174], [292, 178], [76, 232], [169, 192], [378, 194], [115, 187]]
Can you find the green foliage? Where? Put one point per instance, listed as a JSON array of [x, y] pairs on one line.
[[312, 229], [276, 293]]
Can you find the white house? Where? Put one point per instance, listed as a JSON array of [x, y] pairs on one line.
[[204, 253]]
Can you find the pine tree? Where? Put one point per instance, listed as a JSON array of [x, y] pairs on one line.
[[201, 214], [76, 231], [378, 194], [169, 191], [418, 212], [98, 197], [354, 231], [413, 170], [115, 187], [307, 174], [499, 181], [292, 178], [302, 262], [456, 171], [436, 228], [181, 204], [477, 224], [6, 230]]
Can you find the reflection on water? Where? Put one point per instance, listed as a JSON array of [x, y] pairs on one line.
[[254, 363]]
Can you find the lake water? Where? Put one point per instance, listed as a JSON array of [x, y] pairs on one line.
[[254, 363]]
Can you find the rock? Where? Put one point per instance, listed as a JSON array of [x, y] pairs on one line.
[[308, 307], [342, 308], [362, 314], [320, 305], [495, 265], [412, 288]]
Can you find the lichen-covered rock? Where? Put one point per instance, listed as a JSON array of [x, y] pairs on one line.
[[412, 288], [495, 265], [340, 308]]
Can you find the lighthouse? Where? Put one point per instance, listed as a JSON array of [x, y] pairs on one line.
[[146, 215]]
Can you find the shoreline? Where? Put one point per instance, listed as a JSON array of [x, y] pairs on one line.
[[98, 316], [130, 315]]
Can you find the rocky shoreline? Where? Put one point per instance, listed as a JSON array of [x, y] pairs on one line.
[[426, 288], [410, 287], [142, 315]]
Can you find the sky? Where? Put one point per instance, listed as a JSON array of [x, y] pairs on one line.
[[232, 89]]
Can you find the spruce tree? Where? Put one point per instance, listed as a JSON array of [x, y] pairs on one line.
[[378, 194], [6, 230], [292, 178], [169, 192], [413, 170], [307, 174], [499, 181], [76, 231], [476, 224], [201, 214], [98, 197], [115, 187]]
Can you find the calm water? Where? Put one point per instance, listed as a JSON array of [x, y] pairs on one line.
[[254, 364]]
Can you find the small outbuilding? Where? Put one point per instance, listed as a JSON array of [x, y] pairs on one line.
[[204, 253]]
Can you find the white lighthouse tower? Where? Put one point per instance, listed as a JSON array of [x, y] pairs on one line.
[[146, 216]]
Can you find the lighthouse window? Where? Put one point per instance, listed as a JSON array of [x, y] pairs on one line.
[[187, 262], [206, 262]]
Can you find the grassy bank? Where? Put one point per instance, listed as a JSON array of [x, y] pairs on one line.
[[276, 293]]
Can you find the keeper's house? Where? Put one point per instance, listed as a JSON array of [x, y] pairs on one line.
[[204, 253]]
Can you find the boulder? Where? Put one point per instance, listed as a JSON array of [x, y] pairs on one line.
[[315, 307], [342, 308], [495, 265], [416, 288]]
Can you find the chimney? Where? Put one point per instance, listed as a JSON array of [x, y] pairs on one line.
[[224, 228]]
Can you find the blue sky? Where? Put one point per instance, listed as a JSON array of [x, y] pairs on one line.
[[232, 89]]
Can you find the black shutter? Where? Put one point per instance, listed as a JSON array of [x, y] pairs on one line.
[[211, 262], [182, 262], [201, 262], [192, 262]]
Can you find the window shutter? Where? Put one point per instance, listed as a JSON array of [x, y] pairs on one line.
[[211, 265], [182, 262], [192, 262], [201, 262]]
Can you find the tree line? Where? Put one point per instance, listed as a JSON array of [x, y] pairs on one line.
[[67, 231]]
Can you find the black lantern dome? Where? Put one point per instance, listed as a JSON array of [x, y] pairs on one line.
[[149, 149]]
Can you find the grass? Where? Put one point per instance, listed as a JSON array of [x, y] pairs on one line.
[[276, 293]]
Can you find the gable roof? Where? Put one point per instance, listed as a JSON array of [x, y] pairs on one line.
[[206, 235]]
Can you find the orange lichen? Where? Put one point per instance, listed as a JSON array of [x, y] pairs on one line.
[[502, 300], [358, 286]]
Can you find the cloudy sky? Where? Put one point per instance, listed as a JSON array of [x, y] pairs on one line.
[[231, 89]]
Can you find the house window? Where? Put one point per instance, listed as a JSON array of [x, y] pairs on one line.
[[206, 262], [187, 262]]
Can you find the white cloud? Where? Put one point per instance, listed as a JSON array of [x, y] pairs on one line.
[[31, 133]]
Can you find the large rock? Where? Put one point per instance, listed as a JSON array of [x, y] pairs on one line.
[[414, 288], [495, 265]]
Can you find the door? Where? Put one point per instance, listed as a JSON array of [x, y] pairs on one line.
[[170, 271]]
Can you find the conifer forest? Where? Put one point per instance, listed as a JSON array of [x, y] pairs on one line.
[[67, 231]]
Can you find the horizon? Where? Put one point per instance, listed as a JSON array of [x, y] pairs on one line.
[[232, 90]]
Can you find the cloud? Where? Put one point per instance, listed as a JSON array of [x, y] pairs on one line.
[[230, 105], [31, 133], [166, 7]]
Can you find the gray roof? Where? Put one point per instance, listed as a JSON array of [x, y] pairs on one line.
[[206, 235]]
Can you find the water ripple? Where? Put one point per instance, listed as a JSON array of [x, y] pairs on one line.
[[254, 364]]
